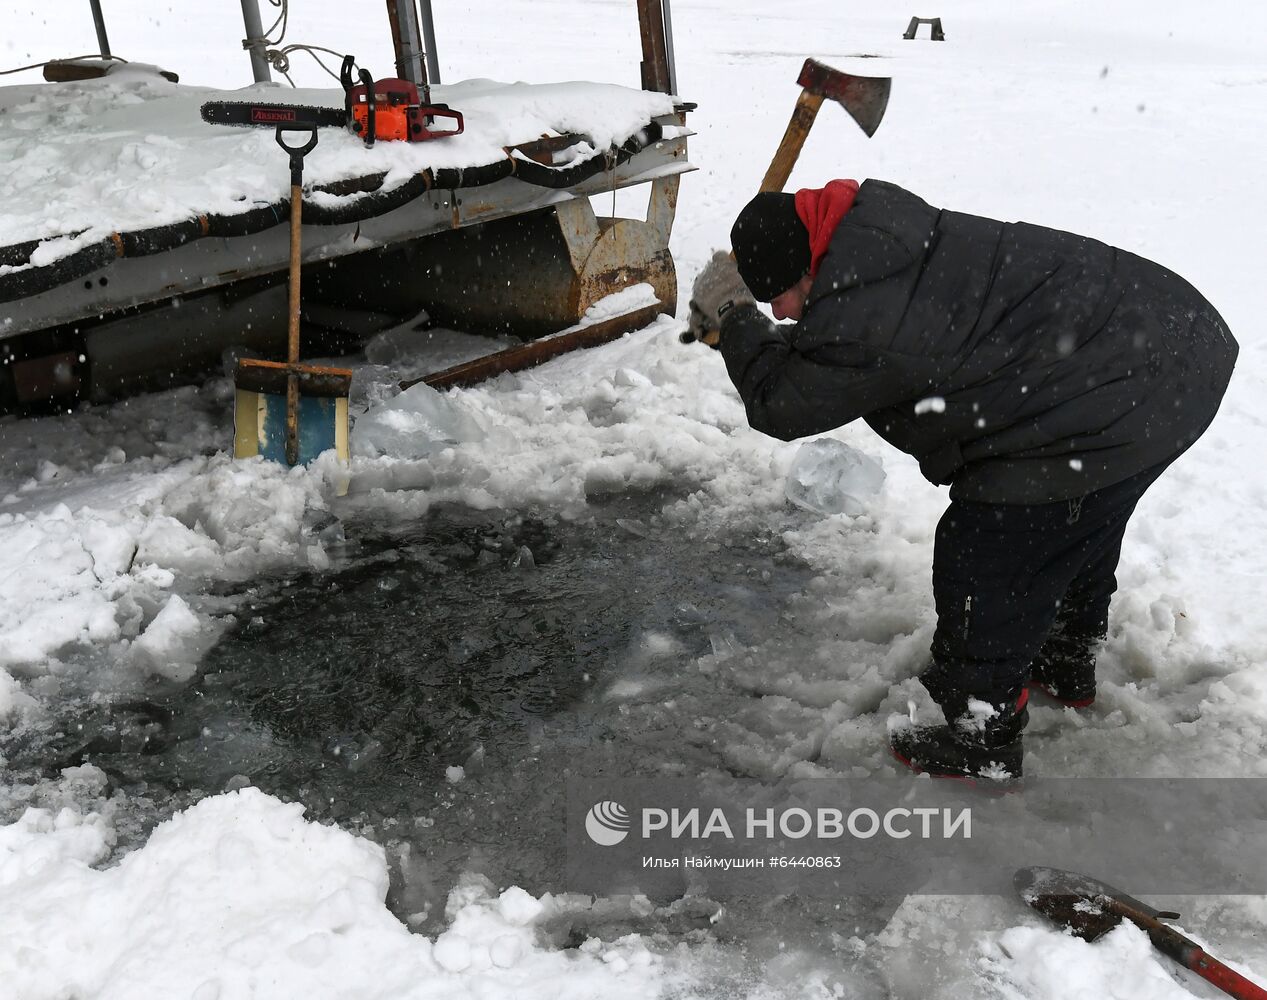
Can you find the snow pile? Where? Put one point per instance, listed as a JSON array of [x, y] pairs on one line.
[[1046, 964], [240, 896], [43, 840], [61, 576], [103, 570], [640, 412], [935, 946]]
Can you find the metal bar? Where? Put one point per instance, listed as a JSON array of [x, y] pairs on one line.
[[254, 43], [209, 267], [429, 41], [515, 359], [406, 41], [668, 46], [99, 22], [655, 68]]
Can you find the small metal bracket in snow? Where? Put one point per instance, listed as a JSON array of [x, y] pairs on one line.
[[934, 24]]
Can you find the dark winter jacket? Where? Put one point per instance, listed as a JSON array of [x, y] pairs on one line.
[[1018, 364]]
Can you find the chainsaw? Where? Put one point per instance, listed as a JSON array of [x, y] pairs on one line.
[[385, 109]]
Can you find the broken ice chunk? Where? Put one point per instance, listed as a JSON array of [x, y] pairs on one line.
[[828, 477], [415, 424]]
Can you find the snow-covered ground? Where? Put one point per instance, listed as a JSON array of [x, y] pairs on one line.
[[122, 528]]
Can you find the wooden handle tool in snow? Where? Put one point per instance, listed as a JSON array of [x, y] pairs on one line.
[[283, 410], [1089, 908], [288, 411]]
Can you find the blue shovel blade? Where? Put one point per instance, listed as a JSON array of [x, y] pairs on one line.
[[322, 426]]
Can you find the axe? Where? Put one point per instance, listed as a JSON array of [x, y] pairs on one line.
[[864, 97]]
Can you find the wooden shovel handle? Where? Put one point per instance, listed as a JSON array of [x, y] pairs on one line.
[[292, 331]]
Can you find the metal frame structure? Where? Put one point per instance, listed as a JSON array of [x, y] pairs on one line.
[[99, 22], [408, 44], [255, 43], [211, 289]]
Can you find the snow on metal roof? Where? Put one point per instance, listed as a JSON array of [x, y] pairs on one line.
[[129, 151]]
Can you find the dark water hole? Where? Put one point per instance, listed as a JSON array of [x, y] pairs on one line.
[[475, 640]]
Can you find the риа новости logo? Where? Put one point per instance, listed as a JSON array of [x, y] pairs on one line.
[[607, 823]]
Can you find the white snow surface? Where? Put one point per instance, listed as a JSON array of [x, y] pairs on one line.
[[239, 896], [1132, 122]]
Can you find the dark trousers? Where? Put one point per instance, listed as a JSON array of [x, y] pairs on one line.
[[1004, 574]]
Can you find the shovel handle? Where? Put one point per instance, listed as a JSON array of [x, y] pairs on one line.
[[1229, 981], [1191, 955], [300, 151], [297, 154]]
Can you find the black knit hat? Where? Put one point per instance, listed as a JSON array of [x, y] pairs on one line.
[[771, 244]]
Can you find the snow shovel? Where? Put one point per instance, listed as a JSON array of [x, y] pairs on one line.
[[1089, 908], [286, 411]]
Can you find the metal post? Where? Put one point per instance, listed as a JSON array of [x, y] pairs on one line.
[[100, 22], [254, 43], [429, 41], [407, 41], [668, 47], [654, 67]]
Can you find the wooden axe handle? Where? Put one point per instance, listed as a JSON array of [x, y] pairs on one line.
[[785, 156], [793, 142]]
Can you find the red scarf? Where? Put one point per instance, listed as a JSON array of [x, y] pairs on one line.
[[821, 209]]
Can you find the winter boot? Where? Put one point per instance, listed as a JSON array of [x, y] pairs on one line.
[[981, 744], [1064, 668]]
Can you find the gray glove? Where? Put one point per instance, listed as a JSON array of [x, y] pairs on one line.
[[718, 290], [699, 328]]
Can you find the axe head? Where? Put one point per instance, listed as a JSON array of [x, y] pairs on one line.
[[864, 97]]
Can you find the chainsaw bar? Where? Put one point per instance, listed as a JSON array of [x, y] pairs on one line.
[[246, 115]]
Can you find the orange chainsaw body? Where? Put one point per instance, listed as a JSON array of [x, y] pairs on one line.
[[390, 110]]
